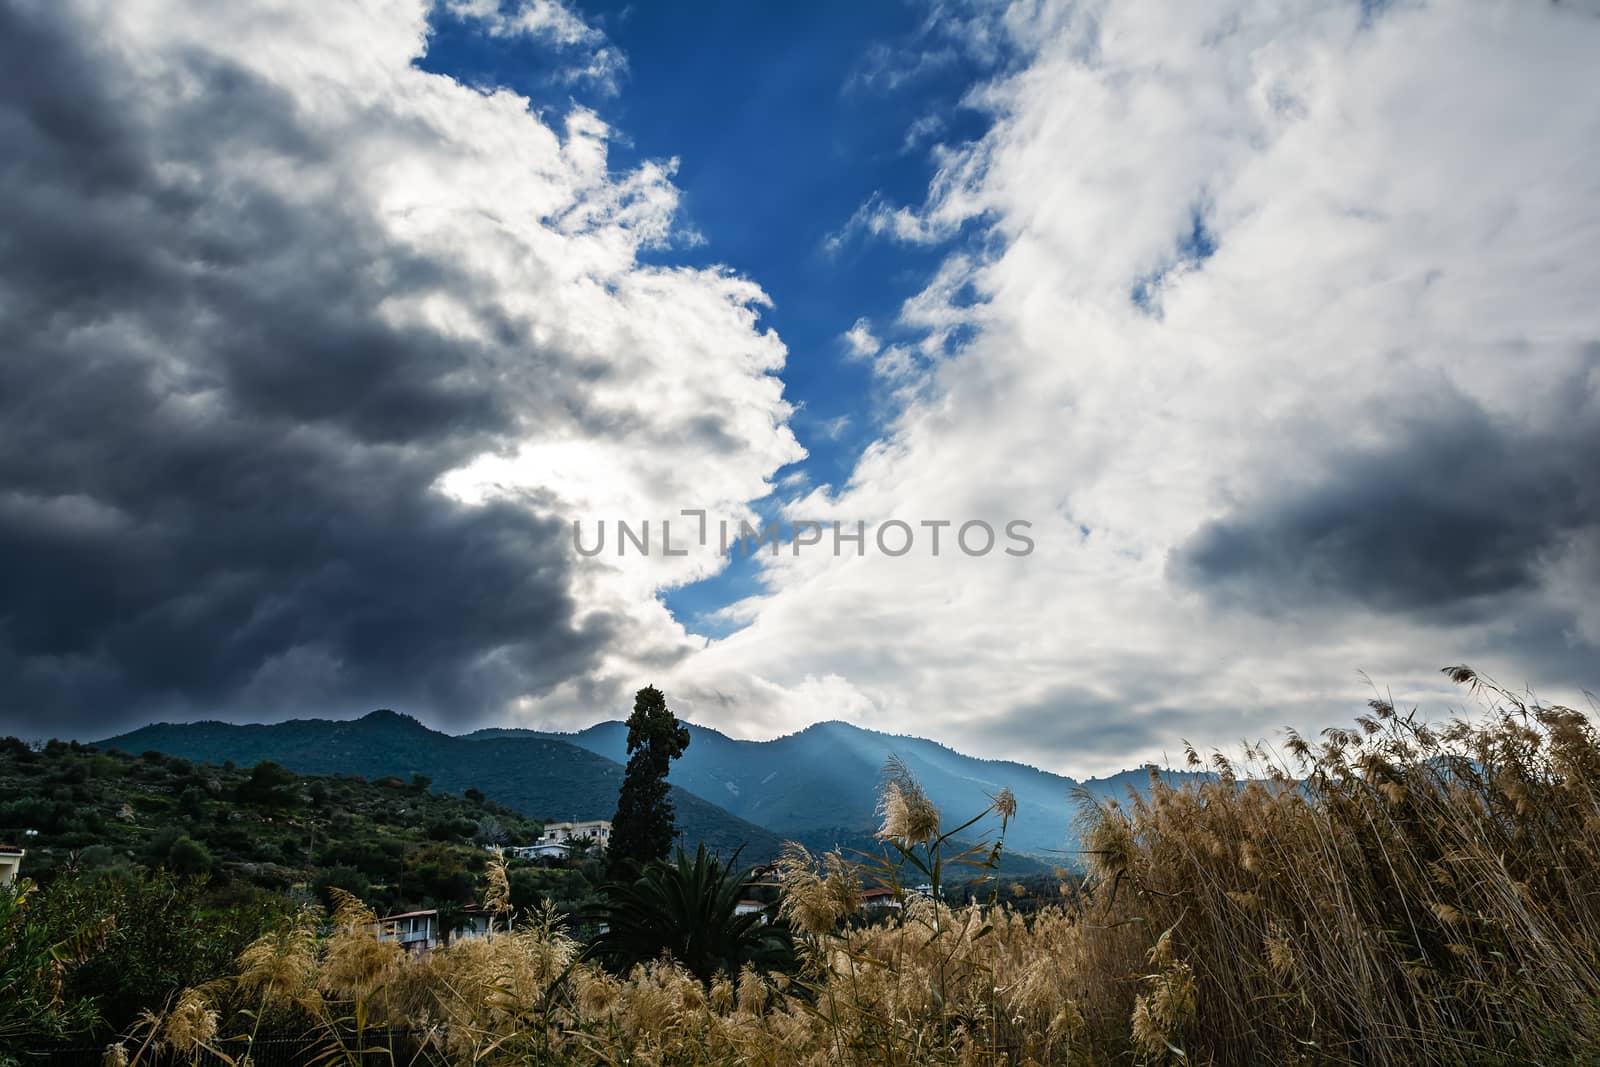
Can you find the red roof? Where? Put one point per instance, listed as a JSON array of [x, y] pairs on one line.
[[10, 850], [877, 894]]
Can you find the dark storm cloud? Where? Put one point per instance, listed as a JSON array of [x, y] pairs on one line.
[[1449, 523], [216, 456], [1070, 723]]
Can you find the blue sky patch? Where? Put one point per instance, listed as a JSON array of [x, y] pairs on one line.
[[785, 119]]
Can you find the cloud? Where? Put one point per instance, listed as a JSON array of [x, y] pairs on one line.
[[884, 69], [835, 428], [1446, 522], [924, 129], [267, 292], [951, 33], [859, 341], [1067, 723], [591, 57], [1275, 321], [936, 222], [1281, 332]]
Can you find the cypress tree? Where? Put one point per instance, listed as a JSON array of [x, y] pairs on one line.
[[642, 830]]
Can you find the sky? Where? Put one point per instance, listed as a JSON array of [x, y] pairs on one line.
[[1262, 335]]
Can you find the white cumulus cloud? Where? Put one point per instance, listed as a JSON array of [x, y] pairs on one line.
[[1284, 340]]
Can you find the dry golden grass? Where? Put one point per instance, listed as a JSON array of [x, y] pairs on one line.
[[1396, 893]]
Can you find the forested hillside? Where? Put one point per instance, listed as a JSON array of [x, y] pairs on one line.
[[540, 777], [394, 841], [825, 778]]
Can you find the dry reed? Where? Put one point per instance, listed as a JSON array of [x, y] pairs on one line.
[[1395, 893]]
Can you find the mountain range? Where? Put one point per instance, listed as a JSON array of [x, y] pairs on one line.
[[818, 786], [547, 779], [827, 776]]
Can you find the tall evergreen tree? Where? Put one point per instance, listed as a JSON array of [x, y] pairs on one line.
[[642, 830]]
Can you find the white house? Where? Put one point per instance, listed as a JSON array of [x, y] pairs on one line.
[[420, 931], [416, 931], [599, 830], [557, 836], [475, 923], [751, 907], [10, 863]]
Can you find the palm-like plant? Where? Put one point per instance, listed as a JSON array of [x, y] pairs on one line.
[[33, 962], [686, 908]]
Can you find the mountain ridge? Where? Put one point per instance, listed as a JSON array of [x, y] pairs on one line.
[[817, 785], [829, 773], [541, 777]]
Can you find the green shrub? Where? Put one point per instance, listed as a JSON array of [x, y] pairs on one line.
[[188, 857]]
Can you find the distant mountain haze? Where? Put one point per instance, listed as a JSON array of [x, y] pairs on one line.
[[818, 786], [828, 774], [540, 777]]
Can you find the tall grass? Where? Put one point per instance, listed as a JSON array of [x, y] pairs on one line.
[[1393, 893]]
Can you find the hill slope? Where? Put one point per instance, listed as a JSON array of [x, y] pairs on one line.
[[545, 778], [827, 775], [392, 842]]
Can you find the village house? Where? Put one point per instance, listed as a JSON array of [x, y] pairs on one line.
[[557, 838], [539, 850], [415, 931], [597, 830], [879, 899], [751, 907], [10, 863], [421, 931]]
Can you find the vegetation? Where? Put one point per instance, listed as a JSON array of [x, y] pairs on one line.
[[177, 867], [1397, 893], [687, 910], [642, 829], [32, 965], [571, 890], [153, 933], [80, 811], [537, 777], [819, 786]]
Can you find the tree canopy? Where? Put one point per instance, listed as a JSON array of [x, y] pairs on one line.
[[642, 830]]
